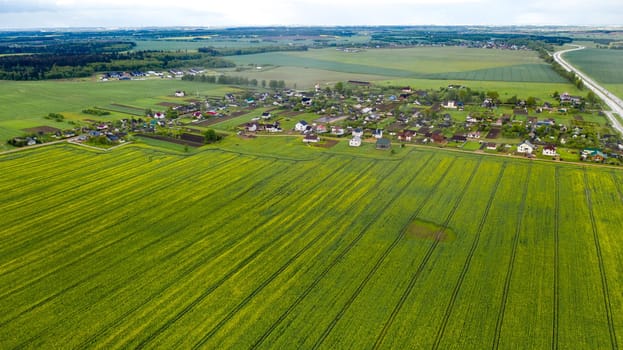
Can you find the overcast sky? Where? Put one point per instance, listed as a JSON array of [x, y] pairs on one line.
[[210, 13]]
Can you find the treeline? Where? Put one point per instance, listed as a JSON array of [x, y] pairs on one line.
[[571, 76], [53, 66], [231, 51], [235, 80], [413, 37], [9, 46]]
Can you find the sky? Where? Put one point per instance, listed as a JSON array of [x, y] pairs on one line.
[[229, 13]]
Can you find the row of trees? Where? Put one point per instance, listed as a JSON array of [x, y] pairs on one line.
[[235, 80]]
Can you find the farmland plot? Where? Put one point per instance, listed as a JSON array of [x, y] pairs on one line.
[[251, 248]]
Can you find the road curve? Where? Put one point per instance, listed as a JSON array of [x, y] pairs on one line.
[[615, 103]]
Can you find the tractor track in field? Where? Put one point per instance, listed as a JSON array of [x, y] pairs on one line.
[[87, 187], [266, 282], [511, 263], [379, 261], [228, 275], [193, 267], [556, 310], [162, 186], [81, 281], [602, 269], [407, 292], [468, 260], [335, 261]]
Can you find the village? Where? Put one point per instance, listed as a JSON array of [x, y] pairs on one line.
[[359, 112]]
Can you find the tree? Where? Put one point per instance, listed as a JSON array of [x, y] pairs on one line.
[[211, 136], [264, 83], [339, 87], [531, 101], [493, 95]]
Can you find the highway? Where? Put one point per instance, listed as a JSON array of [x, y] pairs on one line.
[[612, 101]]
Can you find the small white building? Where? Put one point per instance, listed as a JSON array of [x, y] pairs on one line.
[[526, 147], [377, 133], [549, 150], [355, 142], [301, 126], [180, 93]]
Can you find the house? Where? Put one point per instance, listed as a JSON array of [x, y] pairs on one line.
[[406, 135], [337, 131], [473, 135], [593, 154], [159, 115], [549, 150], [252, 127], [306, 101], [377, 133], [355, 142], [273, 127], [357, 132], [492, 146], [383, 143], [301, 126], [450, 105], [311, 138], [321, 129], [266, 115], [437, 136], [526, 147], [180, 93], [459, 138]]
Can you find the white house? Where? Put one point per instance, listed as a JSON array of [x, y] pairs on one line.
[[549, 150], [337, 131], [526, 147], [180, 93], [355, 142], [159, 115], [377, 133], [301, 126], [357, 132]]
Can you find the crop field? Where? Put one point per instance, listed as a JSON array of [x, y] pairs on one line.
[[143, 247], [418, 63], [605, 66]]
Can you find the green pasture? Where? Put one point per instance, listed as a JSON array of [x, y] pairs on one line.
[[269, 243], [605, 66], [422, 63], [26, 103]]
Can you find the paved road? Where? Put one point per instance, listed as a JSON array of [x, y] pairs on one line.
[[615, 103]]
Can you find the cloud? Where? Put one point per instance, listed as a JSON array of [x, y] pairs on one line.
[[124, 13], [12, 6]]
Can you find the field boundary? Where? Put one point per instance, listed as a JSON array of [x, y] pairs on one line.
[[457, 288], [602, 269], [511, 263]]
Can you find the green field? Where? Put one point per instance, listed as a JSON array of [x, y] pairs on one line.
[[605, 66], [444, 63], [267, 243], [30, 101]]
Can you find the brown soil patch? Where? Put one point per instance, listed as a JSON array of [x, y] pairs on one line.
[[167, 104], [429, 231], [44, 129], [327, 143]]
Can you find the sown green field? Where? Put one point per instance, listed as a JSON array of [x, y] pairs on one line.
[[245, 247], [605, 66], [445, 63]]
